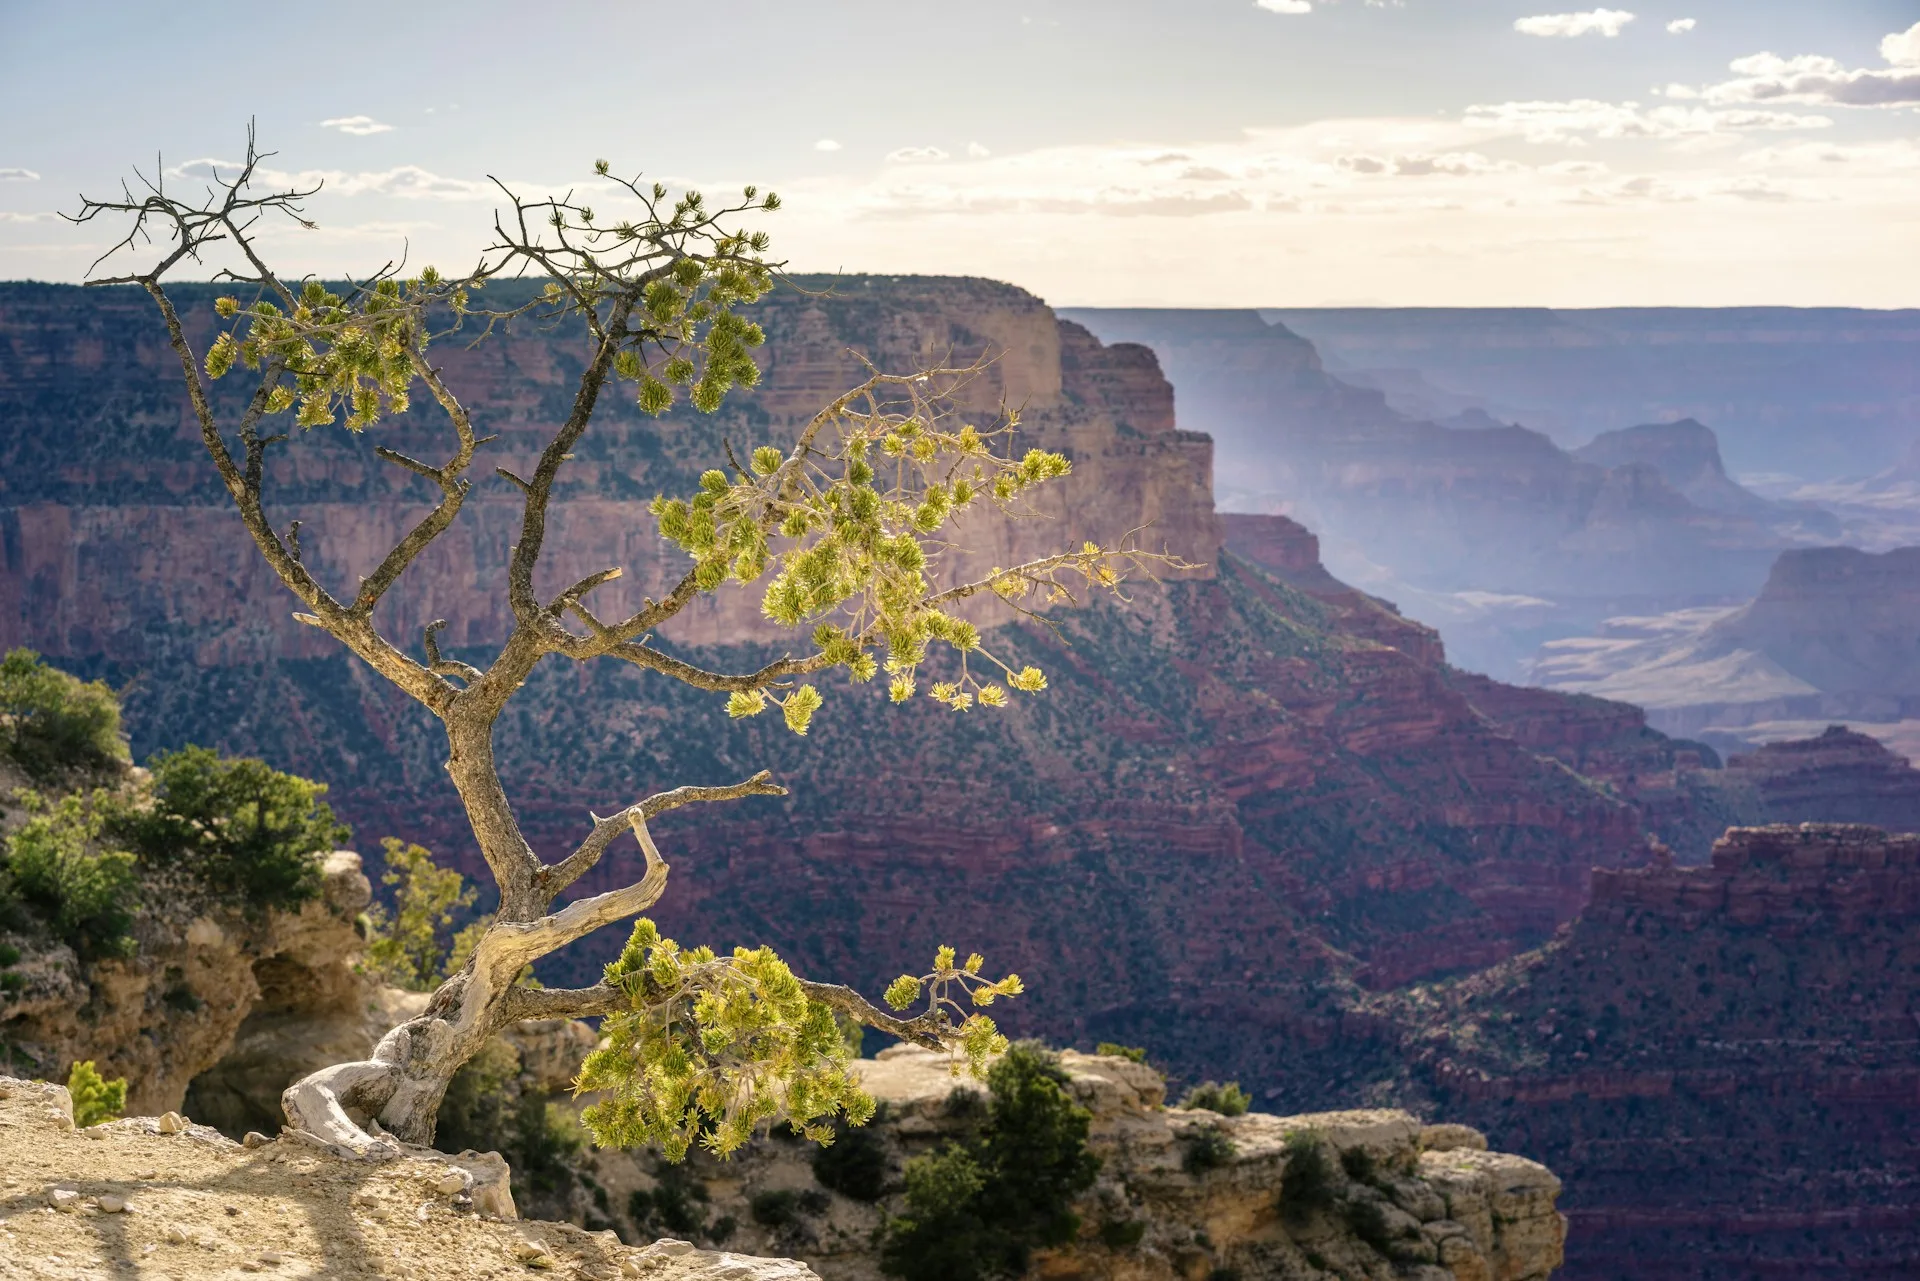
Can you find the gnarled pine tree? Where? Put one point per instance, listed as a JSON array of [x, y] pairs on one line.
[[841, 525]]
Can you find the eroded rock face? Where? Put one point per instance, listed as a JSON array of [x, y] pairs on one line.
[[1839, 775], [1238, 785], [192, 1203], [204, 974], [1721, 1061], [1400, 1197]]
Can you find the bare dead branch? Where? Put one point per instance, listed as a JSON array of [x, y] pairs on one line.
[[555, 878]]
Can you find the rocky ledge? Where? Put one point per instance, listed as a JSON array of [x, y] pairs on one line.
[[169, 1199], [1393, 1198]]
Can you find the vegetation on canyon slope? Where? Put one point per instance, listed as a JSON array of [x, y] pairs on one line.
[[843, 526], [91, 844]]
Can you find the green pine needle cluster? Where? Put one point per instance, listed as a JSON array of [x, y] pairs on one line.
[[343, 354], [846, 529], [974, 1038], [667, 283], [712, 1049]]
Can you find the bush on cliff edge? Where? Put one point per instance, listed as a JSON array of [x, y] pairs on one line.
[[979, 1209], [53, 724]]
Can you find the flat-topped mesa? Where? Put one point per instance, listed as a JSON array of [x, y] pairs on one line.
[[1814, 875]]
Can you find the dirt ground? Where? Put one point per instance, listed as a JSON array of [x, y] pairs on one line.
[[127, 1200]]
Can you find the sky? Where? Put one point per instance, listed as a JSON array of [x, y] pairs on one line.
[[1274, 153]]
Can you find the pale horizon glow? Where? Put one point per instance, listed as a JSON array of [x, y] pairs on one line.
[[1246, 154]]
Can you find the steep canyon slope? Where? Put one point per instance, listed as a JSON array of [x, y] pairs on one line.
[[1236, 799], [1722, 1061]]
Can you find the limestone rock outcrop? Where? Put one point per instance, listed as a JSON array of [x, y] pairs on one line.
[[1402, 1200], [259, 993]]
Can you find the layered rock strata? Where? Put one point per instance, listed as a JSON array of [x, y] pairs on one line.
[[1723, 1061], [1247, 792]]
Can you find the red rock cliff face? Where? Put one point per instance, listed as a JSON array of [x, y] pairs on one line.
[[135, 543], [1724, 1059], [1236, 797]]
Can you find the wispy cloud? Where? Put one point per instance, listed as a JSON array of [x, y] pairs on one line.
[[18, 175], [1284, 6], [826, 144], [1680, 26], [1580, 118], [1605, 22], [405, 182], [7, 216], [1819, 80], [915, 155], [358, 126]]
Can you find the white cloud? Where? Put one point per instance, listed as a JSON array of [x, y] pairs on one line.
[[1284, 6], [358, 126], [1902, 48], [1581, 118], [1815, 79], [1680, 26], [18, 175], [406, 182], [1606, 22], [1810, 78], [977, 152], [826, 144], [915, 155], [6, 216]]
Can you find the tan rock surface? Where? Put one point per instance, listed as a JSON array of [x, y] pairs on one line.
[[283, 984], [196, 1205]]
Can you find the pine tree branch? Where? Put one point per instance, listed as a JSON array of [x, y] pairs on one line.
[[555, 878]]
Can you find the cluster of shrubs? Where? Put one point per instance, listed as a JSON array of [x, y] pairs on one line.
[[245, 832]]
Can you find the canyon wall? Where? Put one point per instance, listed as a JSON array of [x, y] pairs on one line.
[[1818, 392], [1237, 798], [1485, 527], [1723, 1061]]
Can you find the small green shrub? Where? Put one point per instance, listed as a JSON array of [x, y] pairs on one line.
[[239, 824], [980, 1208], [1208, 1147], [775, 1208], [95, 1099], [780, 1207], [411, 945], [676, 1206], [1227, 1100], [1369, 1222], [1307, 1184], [855, 1164], [62, 864], [53, 724], [1122, 1234], [1137, 1053]]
